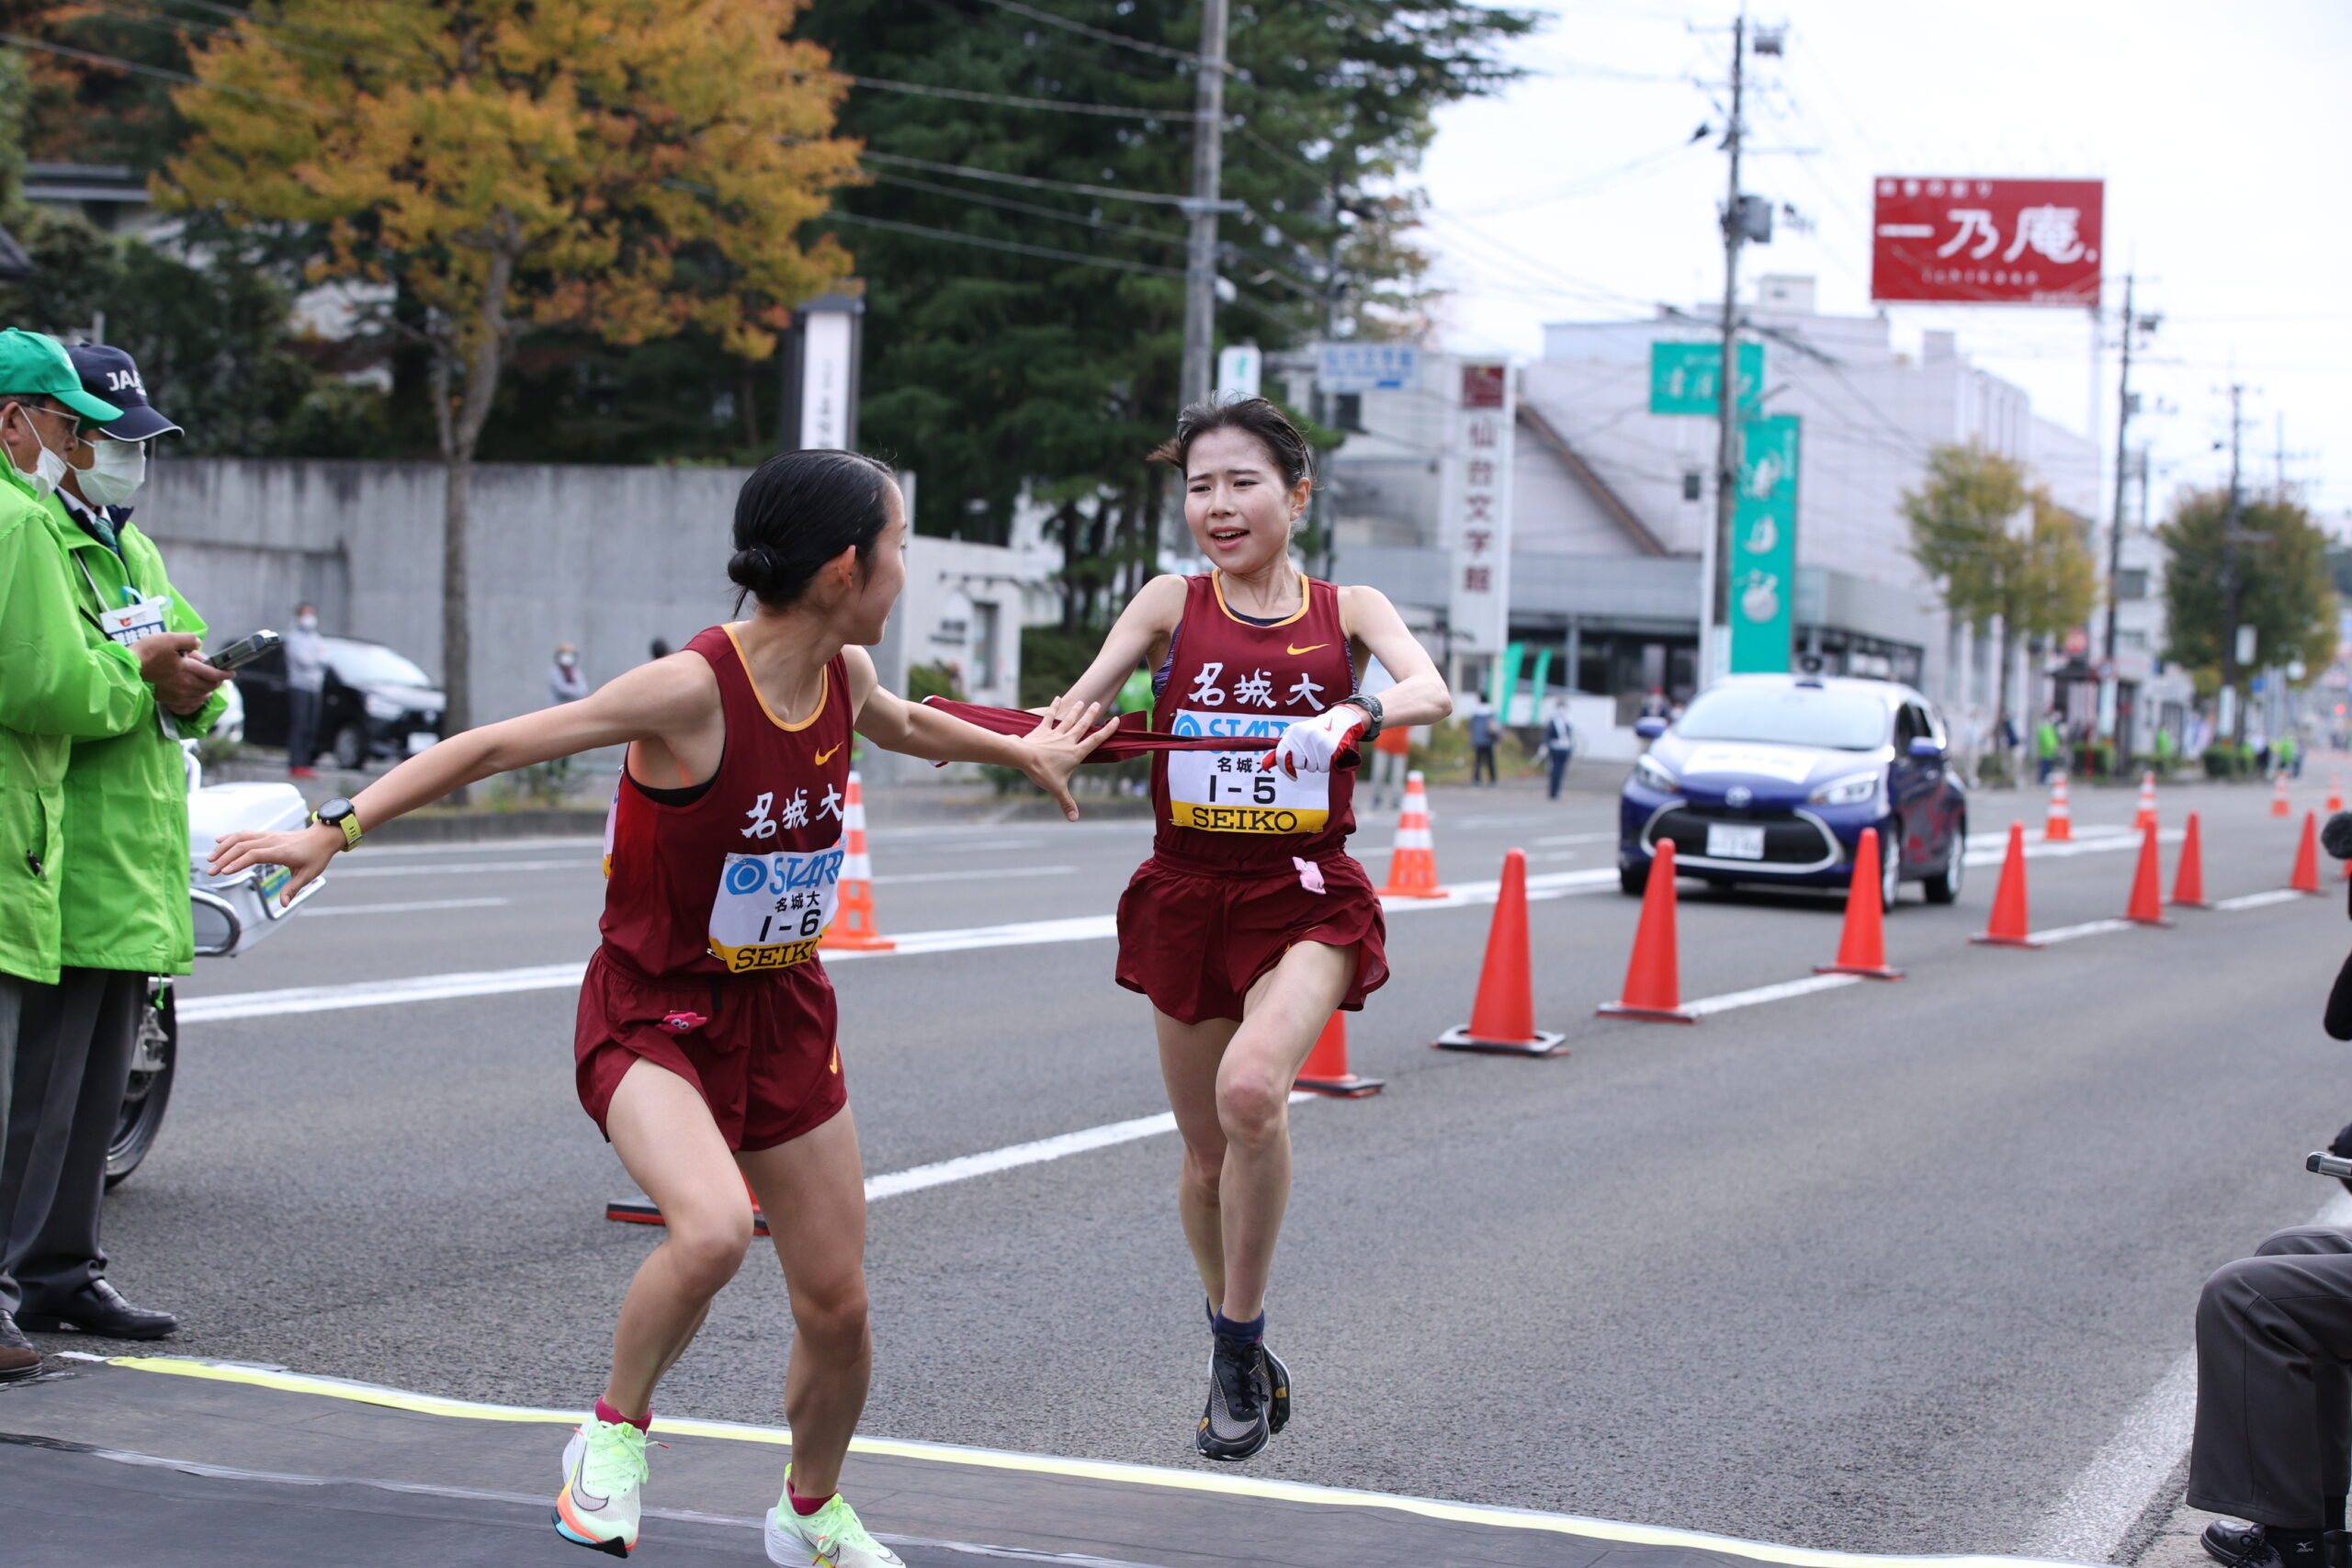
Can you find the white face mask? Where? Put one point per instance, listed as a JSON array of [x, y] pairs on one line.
[[48, 470], [307, 623], [116, 473]]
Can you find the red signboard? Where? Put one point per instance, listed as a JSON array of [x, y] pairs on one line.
[[1987, 242]]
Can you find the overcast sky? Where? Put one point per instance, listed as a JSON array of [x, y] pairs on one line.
[[2222, 132]]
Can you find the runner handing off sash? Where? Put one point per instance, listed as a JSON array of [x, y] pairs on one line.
[[1250, 923]]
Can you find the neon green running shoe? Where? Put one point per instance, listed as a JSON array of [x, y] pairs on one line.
[[603, 1468], [829, 1538]]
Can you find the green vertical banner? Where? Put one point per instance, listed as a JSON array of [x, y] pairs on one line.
[[1764, 546]]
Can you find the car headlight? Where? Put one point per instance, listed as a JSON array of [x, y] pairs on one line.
[[384, 709], [1846, 791], [1652, 771]]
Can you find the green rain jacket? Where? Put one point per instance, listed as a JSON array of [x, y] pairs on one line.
[[61, 679], [124, 904]]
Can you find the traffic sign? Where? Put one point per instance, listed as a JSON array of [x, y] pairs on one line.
[[1368, 366], [1764, 545], [1685, 377]]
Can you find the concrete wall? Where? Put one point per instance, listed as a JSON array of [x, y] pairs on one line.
[[604, 558]]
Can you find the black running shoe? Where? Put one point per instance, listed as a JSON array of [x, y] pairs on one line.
[[1278, 1397], [1234, 1423]]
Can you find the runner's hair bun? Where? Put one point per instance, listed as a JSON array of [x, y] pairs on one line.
[[798, 511]]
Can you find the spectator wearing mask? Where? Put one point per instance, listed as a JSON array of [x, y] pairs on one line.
[[306, 685], [1560, 742], [565, 682], [122, 896], [66, 681], [1482, 740]]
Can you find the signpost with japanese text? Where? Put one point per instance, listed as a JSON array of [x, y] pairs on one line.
[[1764, 545], [1685, 377], [1367, 367], [1477, 510], [1970, 241]]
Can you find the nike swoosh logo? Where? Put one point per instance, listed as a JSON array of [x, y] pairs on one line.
[[837, 1061], [1308, 648], [579, 1494], [825, 757]]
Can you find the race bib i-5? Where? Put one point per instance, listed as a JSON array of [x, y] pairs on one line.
[[770, 910], [1226, 792]]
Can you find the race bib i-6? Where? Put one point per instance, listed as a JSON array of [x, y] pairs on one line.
[[1224, 792], [770, 910]]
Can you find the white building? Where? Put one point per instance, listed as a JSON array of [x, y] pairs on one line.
[[1610, 505]]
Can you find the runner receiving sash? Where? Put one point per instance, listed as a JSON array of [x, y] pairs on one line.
[[705, 1047], [1250, 923]]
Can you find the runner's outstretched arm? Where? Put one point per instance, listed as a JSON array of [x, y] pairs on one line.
[[1142, 627], [1048, 754], [665, 700]]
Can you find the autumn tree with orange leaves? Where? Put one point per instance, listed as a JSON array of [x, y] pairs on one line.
[[629, 167]]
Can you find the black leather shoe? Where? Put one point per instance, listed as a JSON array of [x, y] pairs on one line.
[[18, 1360], [99, 1308], [2238, 1545]]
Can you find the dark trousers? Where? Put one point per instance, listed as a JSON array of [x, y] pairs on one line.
[[1481, 761], [1559, 771], [301, 727], [2274, 1395], [75, 1044]]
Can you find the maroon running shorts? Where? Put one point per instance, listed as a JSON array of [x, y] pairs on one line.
[[758, 1048], [1194, 938]]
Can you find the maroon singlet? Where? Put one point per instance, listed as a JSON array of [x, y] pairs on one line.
[[1229, 676]]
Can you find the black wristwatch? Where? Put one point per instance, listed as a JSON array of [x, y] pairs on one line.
[[340, 813], [1371, 705]]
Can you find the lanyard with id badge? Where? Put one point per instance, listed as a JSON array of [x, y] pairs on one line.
[[130, 622]]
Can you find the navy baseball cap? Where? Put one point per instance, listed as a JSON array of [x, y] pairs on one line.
[[110, 374]]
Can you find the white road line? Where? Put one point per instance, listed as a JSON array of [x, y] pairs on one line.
[[1785, 988], [313, 913], [2111, 1493], [2068, 934], [379, 993], [2089, 844], [1059, 1146], [470, 868], [906, 876], [2256, 900]]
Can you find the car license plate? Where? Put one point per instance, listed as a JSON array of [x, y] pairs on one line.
[[418, 739], [1732, 840]]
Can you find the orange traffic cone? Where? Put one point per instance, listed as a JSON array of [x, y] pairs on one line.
[[2059, 826], [2279, 804], [639, 1209], [2008, 927], [1326, 1071], [2335, 797], [1503, 1019], [1412, 858], [2146, 816], [1862, 947], [2189, 882], [2146, 908], [1654, 976], [2306, 877], [854, 930]]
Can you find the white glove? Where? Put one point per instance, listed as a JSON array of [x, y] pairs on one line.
[[1311, 743]]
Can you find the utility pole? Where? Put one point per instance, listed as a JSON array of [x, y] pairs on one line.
[[1715, 562], [1200, 253], [2122, 456], [2230, 573]]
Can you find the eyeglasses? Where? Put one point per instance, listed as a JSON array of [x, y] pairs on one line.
[[72, 421]]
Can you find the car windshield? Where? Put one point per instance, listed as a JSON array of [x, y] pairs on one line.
[[1791, 716], [373, 664]]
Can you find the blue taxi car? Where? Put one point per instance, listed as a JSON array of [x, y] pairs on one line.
[[1770, 779]]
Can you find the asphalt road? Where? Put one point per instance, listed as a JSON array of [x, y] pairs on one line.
[[1876, 1268]]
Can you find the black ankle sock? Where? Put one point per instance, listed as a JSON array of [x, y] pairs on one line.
[[1225, 1328], [2334, 1513], [2297, 1549]]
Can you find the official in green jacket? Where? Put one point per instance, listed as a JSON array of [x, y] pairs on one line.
[[122, 900]]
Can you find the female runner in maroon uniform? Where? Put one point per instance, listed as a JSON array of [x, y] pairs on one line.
[[705, 1040], [1250, 923]]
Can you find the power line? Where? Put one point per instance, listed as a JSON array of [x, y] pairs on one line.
[[1015, 246], [1084, 220], [1034, 15], [1109, 193], [116, 63], [1009, 100]]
